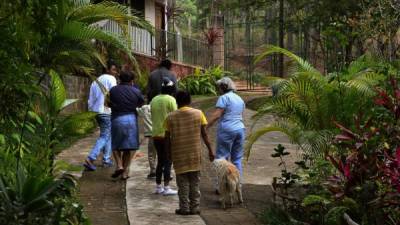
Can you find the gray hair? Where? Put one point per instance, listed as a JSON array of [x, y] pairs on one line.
[[228, 82]]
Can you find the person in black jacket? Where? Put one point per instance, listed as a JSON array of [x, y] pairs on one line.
[[156, 78]]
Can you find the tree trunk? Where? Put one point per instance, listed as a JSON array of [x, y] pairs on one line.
[[281, 36]]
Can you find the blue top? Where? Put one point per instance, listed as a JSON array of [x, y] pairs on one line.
[[233, 106], [124, 99]]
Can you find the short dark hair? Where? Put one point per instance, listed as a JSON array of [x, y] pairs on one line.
[[126, 76], [183, 98], [111, 63], [166, 63]]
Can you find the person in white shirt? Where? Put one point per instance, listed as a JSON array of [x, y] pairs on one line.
[[145, 113], [96, 103]]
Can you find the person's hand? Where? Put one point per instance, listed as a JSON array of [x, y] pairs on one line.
[[211, 156]]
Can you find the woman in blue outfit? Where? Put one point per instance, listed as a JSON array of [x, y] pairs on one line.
[[124, 99], [231, 130]]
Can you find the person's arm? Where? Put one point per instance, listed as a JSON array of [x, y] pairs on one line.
[[92, 98], [218, 112], [204, 135]]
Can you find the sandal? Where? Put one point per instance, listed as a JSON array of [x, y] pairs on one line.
[[89, 165], [117, 173]]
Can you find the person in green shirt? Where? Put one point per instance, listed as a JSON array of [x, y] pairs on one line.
[[161, 106]]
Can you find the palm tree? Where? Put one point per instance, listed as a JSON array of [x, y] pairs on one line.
[[71, 47], [308, 101]]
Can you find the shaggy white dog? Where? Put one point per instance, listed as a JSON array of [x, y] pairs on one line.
[[228, 181]]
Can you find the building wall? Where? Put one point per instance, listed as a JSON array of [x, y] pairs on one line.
[[149, 11], [77, 87], [151, 63]]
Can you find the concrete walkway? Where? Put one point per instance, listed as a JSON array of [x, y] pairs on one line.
[[146, 208], [111, 202], [103, 198]]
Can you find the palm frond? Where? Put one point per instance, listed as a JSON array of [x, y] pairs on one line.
[[57, 92], [315, 142], [68, 102], [81, 32], [365, 83], [302, 64], [254, 136], [78, 3], [273, 81], [78, 123], [119, 13]]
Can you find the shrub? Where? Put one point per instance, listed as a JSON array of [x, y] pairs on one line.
[[202, 83]]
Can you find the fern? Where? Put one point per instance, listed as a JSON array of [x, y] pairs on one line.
[[307, 102]]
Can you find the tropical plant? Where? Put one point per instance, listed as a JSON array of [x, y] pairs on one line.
[[203, 83], [53, 125], [40, 37], [308, 101], [76, 27], [364, 185], [36, 199]]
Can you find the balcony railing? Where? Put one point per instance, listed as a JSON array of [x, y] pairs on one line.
[[175, 46]]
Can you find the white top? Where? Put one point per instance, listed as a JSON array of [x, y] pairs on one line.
[[145, 113], [96, 96]]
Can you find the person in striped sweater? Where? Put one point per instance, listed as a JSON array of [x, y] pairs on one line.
[[184, 129]]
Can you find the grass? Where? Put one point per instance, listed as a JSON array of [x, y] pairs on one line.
[[204, 102], [257, 103]]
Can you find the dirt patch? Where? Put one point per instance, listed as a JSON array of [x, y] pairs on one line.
[[103, 198]]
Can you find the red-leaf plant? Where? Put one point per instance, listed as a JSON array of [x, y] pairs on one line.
[[370, 151], [211, 35]]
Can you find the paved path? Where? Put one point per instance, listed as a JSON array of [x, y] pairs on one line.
[[105, 201], [103, 198], [257, 176], [147, 208]]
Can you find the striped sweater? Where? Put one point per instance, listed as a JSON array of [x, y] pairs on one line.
[[184, 126]]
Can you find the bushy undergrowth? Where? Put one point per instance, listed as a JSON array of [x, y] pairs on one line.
[[42, 41], [347, 124], [202, 82]]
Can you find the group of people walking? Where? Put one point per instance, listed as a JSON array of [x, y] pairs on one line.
[[174, 130]]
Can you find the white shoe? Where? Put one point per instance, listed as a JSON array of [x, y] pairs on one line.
[[169, 191], [159, 189]]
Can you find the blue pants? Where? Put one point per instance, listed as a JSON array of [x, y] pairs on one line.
[[103, 142], [230, 146]]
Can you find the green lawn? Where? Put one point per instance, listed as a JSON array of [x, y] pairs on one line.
[[256, 103]]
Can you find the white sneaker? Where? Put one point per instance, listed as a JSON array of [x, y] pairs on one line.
[[159, 189], [169, 191]]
